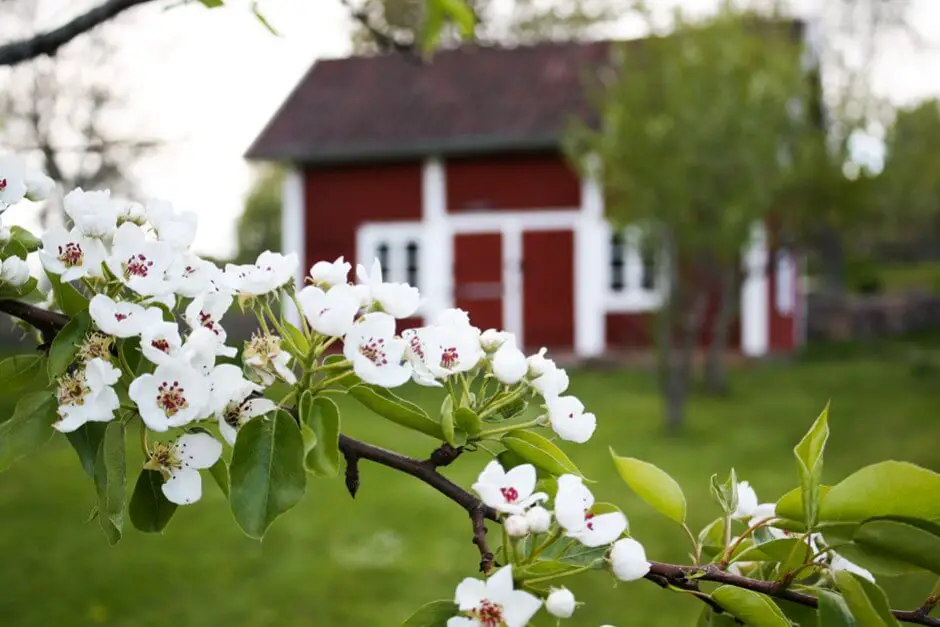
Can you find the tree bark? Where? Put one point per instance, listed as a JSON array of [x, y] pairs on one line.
[[832, 260], [716, 363]]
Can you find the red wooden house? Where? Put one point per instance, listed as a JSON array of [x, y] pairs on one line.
[[451, 174]]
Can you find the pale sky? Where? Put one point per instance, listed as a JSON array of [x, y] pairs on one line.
[[206, 81]]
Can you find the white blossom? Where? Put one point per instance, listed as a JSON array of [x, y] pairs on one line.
[[14, 271], [493, 603], [268, 273], [176, 229], [12, 180], [568, 419], [230, 400], [173, 396], [378, 357], [546, 377], [628, 560], [423, 352], [539, 519], [160, 341], [141, 263], [573, 503], [508, 492], [121, 318], [398, 300], [71, 254], [190, 276], [459, 341], [747, 501], [93, 212], [206, 311], [200, 350], [326, 274], [560, 603], [267, 360], [87, 395], [509, 364], [180, 462], [39, 186], [330, 313]]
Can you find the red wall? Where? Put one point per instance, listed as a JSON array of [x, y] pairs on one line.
[[527, 181], [339, 198]]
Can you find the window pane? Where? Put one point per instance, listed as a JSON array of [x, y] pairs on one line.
[[411, 263], [617, 252], [381, 253], [648, 255]]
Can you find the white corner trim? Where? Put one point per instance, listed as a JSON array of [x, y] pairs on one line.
[[755, 295], [512, 280], [294, 228], [437, 241], [590, 260], [433, 190]]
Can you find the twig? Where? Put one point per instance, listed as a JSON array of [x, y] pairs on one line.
[[444, 455], [664, 575], [48, 43], [352, 472]]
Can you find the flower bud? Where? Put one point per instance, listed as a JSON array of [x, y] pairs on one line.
[[628, 560], [38, 185], [491, 339], [509, 364], [329, 273], [14, 271], [539, 519], [516, 526], [560, 603]]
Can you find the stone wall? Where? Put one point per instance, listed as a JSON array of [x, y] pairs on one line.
[[868, 317]]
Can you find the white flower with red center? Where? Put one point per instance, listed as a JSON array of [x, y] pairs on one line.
[[326, 274], [509, 364], [628, 560], [180, 462], [508, 492], [190, 275], [460, 349], [546, 377], [493, 603], [231, 401], [206, 311], [398, 300], [139, 262], [14, 271], [160, 342], [267, 360], [329, 313], [176, 229], [93, 213], [423, 351], [569, 420], [268, 273], [121, 318], [70, 254], [12, 180], [378, 357], [173, 396], [39, 186], [573, 503], [87, 395]]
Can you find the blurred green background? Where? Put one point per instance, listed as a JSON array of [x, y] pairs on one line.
[[373, 560]]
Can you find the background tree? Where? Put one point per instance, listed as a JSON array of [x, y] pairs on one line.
[[259, 226], [699, 131]]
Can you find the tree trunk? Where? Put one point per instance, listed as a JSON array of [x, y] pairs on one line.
[[832, 261], [716, 366]]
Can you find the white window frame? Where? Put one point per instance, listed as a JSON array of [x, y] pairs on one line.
[[634, 297], [397, 235]]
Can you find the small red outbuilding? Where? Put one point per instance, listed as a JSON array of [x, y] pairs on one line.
[[451, 174]]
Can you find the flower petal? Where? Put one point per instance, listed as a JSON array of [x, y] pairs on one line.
[[523, 479], [183, 487], [198, 450], [470, 592], [519, 608]]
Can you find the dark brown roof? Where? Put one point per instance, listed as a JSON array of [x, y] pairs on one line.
[[466, 100]]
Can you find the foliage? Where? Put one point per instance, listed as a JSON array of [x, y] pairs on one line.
[[259, 226]]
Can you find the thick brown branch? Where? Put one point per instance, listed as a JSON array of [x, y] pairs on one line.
[[444, 455], [49, 42], [478, 518], [48, 322]]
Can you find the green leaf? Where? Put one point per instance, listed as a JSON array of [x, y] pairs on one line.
[[866, 601], [322, 419], [29, 428], [295, 342], [545, 567], [396, 409], [902, 541], [19, 372], [866, 556], [8, 291], [262, 19], [150, 511], [790, 507], [267, 471], [540, 452], [462, 16], [14, 248], [219, 472], [709, 618], [713, 534], [809, 460], [448, 425], [657, 488], [833, 612], [212, 4], [69, 299], [750, 607], [86, 440], [66, 344], [278, 390], [725, 494], [129, 349], [433, 614], [468, 421], [111, 481], [789, 552], [24, 238], [888, 488]]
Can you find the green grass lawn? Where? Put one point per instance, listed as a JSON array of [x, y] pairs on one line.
[[370, 562]]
